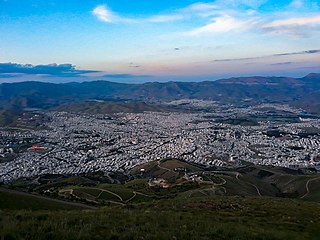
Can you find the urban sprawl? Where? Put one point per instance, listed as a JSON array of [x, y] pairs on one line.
[[71, 143]]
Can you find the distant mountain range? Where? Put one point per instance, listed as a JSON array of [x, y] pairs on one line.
[[303, 92]]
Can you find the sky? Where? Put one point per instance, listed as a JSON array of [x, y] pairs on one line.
[[148, 40]]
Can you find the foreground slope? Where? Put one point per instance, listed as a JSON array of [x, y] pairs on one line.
[[14, 200], [195, 218]]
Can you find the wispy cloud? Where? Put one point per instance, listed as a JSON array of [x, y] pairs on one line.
[[220, 24], [298, 53], [105, 14], [222, 16], [8, 75], [125, 75], [281, 63], [58, 70], [244, 15], [200, 6], [317, 51], [300, 27], [198, 10], [293, 25], [294, 22]]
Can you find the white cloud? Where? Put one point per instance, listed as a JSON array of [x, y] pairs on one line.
[[294, 22], [221, 24], [299, 27], [223, 16], [103, 13], [198, 9]]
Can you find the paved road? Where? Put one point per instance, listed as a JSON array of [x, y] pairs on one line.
[[81, 205]]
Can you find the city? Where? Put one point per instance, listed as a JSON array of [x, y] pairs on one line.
[[74, 143]]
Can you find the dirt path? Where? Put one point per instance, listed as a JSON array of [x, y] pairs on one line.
[[307, 186], [103, 190], [237, 176], [142, 194], [121, 202], [167, 169], [258, 191], [255, 186], [81, 205], [221, 184], [133, 196]]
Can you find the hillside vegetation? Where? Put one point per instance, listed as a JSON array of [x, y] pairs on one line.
[[236, 203], [193, 218], [171, 178]]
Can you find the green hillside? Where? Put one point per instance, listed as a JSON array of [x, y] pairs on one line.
[[193, 218], [169, 199], [171, 178], [11, 200]]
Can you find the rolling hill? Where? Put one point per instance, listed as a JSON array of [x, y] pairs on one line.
[[227, 204]]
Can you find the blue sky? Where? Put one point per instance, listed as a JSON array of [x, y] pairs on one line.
[[138, 41]]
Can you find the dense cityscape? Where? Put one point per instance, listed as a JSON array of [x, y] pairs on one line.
[[73, 143]]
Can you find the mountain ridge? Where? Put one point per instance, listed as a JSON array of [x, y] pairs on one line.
[[246, 90]]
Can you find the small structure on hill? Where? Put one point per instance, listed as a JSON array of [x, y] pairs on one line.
[[158, 182], [142, 171]]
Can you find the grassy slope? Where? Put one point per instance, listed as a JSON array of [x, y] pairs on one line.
[[12, 201], [196, 218], [181, 212], [245, 181]]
